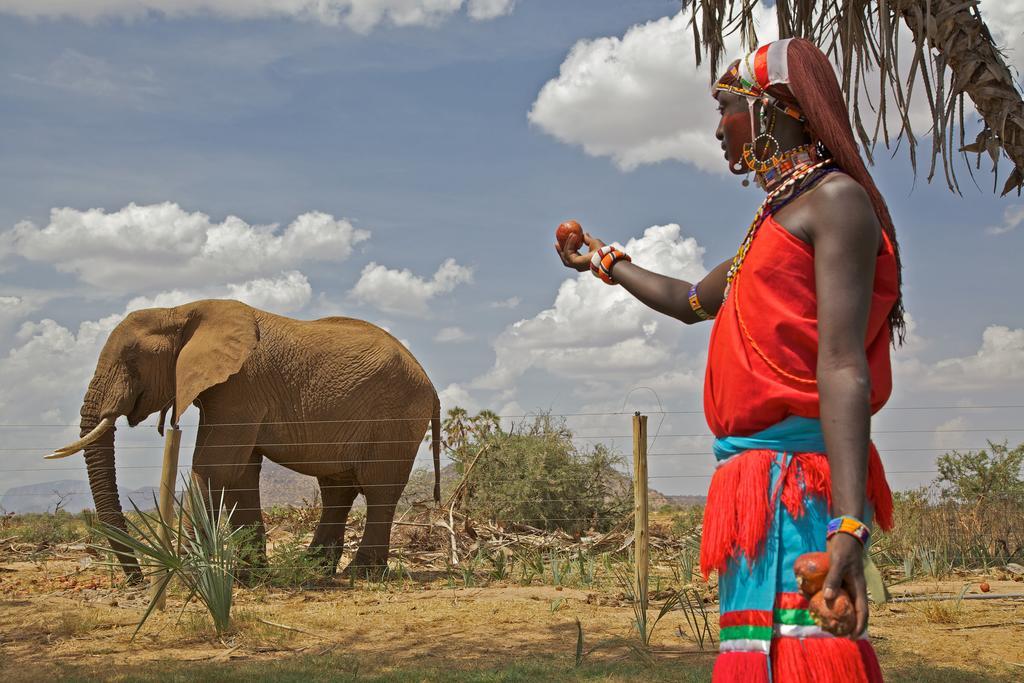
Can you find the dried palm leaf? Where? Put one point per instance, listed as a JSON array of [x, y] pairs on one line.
[[954, 56]]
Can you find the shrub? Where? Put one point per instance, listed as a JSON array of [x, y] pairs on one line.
[[43, 528], [536, 475], [968, 518]]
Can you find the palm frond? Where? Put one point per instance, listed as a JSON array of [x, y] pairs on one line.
[[954, 56]]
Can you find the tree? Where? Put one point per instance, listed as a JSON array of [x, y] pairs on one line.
[[981, 476], [954, 56], [534, 473]]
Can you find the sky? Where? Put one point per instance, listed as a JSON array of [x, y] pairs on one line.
[[406, 162]]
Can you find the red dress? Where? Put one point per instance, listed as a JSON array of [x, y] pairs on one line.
[[762, 362], [775, 294]]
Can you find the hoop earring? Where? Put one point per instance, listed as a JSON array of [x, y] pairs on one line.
[[771, 147], [771, 150]]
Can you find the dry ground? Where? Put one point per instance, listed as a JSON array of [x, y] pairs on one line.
[[60, 618]]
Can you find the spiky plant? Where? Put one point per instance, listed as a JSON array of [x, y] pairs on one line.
[[197, 548]]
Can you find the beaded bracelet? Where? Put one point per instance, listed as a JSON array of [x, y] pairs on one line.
[[848, 525], [695, 305], [602, 261]]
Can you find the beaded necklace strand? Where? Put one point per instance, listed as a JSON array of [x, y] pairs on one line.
[[797, 175]]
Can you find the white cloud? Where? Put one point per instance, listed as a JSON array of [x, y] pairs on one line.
[[287, 293], [452, 335], [641, 99], [400, 291], [96, 77], [1013, 216], [638, 99], [454, 395], [141, 248], [951, 434], [602, 336], [43, 378], [1006, 22], [511, 302], [998, 362], [13, 310], [482, 10], [358, 15]]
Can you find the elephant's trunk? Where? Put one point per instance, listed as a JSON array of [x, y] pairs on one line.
[[99, 461]]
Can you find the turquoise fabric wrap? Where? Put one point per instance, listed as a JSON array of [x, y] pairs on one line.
[[792, 435]]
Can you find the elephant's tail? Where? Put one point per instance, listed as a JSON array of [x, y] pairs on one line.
[[435, 442]]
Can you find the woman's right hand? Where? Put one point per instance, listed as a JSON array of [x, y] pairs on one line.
[[569, 252]]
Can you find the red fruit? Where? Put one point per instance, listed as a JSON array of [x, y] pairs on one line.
[[985, 588], [568, 228], [839, 619], [810, 570]]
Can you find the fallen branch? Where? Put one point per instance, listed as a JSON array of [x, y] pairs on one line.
[[950, 596], [292, 628], [996, 625], [465, 478]]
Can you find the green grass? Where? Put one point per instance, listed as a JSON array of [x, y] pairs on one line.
[[44, 528], [342, 668], [345, 668]]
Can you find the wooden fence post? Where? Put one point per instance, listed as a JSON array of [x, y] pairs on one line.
[[641, 541], [168, 479]]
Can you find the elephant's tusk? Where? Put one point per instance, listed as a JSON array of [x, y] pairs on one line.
[[72, 448], [57, 454]]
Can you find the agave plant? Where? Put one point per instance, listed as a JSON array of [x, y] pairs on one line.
[[198, 548]]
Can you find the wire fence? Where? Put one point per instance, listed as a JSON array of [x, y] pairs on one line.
[[525, 512], [355, 452]]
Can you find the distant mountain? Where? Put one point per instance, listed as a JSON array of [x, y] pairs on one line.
[[278, 486], [70, 495]]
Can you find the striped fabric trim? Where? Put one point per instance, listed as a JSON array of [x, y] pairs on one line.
[[768, 65], [746, 633], [778, 62], [800, 631], [745, 630], [794, 617], [761, 67], [745, 617], [791, 601], [740, 645], [793, 631]]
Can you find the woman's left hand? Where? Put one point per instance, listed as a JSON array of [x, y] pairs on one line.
[[846, 559]]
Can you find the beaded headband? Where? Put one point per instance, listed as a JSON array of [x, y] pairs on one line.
[[757, 71]]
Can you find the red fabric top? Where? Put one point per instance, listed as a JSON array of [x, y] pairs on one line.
[[774, 291]]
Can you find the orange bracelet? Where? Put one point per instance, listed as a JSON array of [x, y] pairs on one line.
[[602, 261]]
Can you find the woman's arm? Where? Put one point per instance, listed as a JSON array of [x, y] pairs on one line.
[[664, 294], [845, 249]]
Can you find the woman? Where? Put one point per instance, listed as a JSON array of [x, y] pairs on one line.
[[798, 362]]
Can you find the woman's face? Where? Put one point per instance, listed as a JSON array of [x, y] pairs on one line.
[[733, 128]]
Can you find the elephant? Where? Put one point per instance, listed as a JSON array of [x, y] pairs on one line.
[[337, 398]]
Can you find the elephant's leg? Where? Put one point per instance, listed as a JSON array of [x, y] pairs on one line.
[[376, 541], [337, 494], [226, 464]]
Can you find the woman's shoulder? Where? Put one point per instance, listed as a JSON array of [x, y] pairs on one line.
[[842, 207]]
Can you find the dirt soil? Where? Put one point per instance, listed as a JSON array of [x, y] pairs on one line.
[[64, 612]]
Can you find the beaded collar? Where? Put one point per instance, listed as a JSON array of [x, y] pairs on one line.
[[790, 162]]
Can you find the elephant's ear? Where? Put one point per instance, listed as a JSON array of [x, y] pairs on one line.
[[217, 338]]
